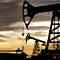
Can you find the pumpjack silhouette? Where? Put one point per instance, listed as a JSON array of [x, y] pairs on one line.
[[36, 49], [54, 27]]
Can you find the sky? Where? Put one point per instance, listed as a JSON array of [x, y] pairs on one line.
[[11, 23]]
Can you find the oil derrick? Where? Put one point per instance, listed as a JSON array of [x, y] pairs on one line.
[[54, 30]]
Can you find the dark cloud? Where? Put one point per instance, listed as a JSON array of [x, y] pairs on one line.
[[1, 40], [4, 36], [39, 28], [9, 28], [46, 16], [11, 12], [39, 34], [19, 37]]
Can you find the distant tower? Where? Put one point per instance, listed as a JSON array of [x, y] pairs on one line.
[[54, 29], [36, 49]]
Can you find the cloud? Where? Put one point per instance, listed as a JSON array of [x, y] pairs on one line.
[[43, 2], [9, 28], [4, 36], [7, 1], [39, 34], [10, 13], [39, 28], [1, 40], [18, 37]]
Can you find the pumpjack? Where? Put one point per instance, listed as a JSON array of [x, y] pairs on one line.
[[54, 8], [31, 11], [36, 49]]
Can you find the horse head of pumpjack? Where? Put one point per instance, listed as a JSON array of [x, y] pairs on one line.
[[30, 12]]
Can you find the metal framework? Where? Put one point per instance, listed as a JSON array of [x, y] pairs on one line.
[[54, 29], [31, 11]]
